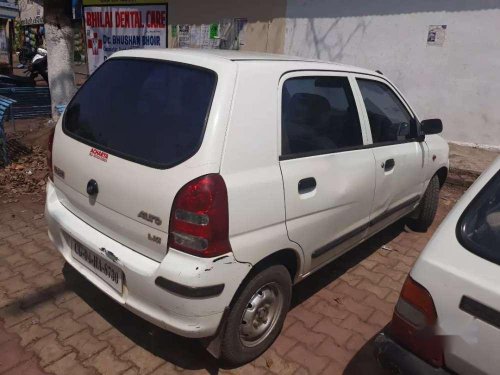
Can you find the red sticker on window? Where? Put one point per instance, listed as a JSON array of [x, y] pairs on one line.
[[98, 154]]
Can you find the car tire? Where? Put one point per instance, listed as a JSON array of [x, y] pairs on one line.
[[426, 210], [257, 316]]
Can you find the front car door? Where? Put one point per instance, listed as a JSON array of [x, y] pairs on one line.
[[399, 157], [328, 176]]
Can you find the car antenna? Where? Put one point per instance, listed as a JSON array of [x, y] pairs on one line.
[[379, 72]]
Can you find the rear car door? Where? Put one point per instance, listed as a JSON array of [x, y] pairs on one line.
[[328, 176], [399, 157]]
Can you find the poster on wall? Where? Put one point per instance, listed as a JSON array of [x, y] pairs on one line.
[[224, 34], [114, 28], [197, 36], [436, 35], [184, 36]]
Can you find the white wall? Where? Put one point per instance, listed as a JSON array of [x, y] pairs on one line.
[[458, 82]]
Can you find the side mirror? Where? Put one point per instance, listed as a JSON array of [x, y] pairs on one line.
[[432, 126]]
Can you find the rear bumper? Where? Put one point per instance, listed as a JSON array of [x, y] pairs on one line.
[[189, 311], [393, 356]]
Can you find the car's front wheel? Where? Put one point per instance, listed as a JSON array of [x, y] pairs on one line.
[[257, 316], [426, 210]]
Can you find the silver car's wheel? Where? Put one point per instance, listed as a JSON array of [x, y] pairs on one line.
[[256, 315], [426, 210], [261, 314]]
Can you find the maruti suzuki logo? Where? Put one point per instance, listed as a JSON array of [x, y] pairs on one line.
[[98, 154], [95, 44]]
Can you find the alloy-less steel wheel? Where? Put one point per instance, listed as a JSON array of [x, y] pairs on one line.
[[257, 316], [261, 314]]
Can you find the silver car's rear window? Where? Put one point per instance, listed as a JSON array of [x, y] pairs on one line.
[[149, 111], [478, 229]]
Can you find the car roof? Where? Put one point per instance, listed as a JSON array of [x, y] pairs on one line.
[[240, 57]]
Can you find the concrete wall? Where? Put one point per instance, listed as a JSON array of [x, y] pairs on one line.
[[458, 82], [266, 24]]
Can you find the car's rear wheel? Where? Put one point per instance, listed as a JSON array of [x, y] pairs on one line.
[[426, 210], [257, 316]]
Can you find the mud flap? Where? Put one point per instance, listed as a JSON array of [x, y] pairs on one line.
[[213, 344]]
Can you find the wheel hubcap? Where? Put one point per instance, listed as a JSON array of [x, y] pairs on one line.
[[261, 314]]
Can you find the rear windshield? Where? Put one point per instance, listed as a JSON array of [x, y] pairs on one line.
[[479, 227], [148, 111]]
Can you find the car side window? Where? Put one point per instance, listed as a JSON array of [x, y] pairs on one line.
[[479, 226], [389, 119], [319, 115]]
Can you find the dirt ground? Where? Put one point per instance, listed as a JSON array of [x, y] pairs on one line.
[[27, 173]]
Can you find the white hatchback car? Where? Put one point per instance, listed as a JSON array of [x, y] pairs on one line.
[[195, 188], [447, 319]]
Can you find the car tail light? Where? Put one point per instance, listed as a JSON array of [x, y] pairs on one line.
[[414, 322], [199, 220], [49, 154]]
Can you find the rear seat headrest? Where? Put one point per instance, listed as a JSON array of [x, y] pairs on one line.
[[307, 108]]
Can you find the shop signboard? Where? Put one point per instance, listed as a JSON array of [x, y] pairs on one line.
[[113, 28], [31, 12]]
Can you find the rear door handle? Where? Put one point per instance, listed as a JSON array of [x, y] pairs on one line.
[[307, 185], [388, 165]]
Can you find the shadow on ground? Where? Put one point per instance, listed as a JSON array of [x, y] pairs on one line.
[[190, 354], [338, 267], [364, 362], [182, 352]]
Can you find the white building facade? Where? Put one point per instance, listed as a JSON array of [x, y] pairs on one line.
[[443, 54]]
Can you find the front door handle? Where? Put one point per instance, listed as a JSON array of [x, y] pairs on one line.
[[307, 185], [388, 165]]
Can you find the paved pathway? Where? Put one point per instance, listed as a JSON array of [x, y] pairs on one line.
[[54, 321]]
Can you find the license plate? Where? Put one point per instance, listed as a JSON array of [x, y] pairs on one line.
[[105, 269]]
